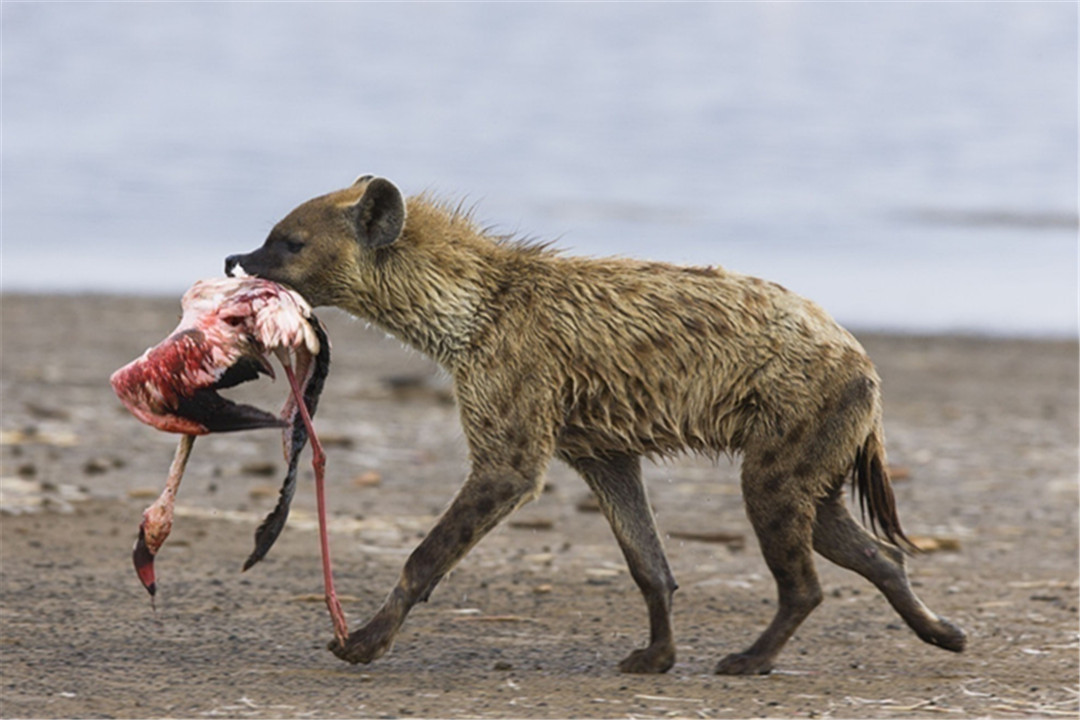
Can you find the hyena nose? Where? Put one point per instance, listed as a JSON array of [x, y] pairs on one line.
[[231, 263]]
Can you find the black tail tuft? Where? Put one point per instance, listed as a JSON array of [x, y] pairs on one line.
[[870, 479]]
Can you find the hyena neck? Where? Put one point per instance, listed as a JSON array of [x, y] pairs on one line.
[[430, 289]]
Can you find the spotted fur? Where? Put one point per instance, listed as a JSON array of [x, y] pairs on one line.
[[600, 362]]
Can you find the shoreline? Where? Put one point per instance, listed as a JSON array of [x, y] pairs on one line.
[[913, 331]]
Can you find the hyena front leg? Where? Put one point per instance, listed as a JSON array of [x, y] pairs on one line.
[[616, 480], [500, 481]]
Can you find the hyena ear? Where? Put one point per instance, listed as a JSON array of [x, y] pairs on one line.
[[379, 215]]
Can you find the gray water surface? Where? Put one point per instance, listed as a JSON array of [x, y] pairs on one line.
[[908, 165]]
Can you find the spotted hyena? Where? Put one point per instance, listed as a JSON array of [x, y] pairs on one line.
[[600, 362]]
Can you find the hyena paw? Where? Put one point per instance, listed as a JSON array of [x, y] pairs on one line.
[[946, 635], [363, 646], [744, 664], [653, 659]]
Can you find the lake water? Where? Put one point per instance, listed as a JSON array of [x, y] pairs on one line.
[[909, 165]]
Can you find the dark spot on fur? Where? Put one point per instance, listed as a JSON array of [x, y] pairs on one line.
[[773, 484], [438, 537], [693, 325], [465, 535], [782, 576], [768, 458], [480, 457], [501, 290], [795, 434], [750, 401], [505, 494], [517, 459], [485, 505], [803, 470], [824, 412], [571, 433], [856, 392], [517, 437], [795, 554], [780, 521]]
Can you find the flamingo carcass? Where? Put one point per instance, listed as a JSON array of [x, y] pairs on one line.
[[229, 329]]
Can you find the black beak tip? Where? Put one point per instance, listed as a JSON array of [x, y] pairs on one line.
[[230, 263], [143, 560]]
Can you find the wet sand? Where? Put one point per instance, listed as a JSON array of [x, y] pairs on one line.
[[982, 438]]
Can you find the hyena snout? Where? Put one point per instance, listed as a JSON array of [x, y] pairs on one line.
[[256, 264], [235, 265], [268, 265], [231, 263]]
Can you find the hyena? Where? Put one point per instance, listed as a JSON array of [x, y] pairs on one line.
[[601, 362]]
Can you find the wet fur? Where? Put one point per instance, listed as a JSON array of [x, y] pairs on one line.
[[600, 362]]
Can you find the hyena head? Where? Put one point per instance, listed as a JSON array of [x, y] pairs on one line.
[[322, 248]]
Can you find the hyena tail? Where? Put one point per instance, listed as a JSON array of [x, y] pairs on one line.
[[870, 479]]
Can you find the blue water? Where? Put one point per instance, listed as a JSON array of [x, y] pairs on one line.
[[908, 165]]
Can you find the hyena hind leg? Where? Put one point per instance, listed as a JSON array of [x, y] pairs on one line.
[[843, 541], [782, 514], [616, 480]]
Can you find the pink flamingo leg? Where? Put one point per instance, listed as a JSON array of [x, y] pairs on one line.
[[318, 462]]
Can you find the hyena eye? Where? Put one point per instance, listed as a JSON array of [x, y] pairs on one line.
[[293, 246]]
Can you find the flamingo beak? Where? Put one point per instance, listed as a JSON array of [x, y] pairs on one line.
[[218, 414], [143, 558]]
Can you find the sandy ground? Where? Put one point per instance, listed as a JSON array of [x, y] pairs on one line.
[[982, 436]]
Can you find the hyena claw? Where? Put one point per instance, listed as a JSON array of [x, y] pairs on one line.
[[744, 664], [650, 660]]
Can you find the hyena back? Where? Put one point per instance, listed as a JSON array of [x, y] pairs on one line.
[[601, 362]]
